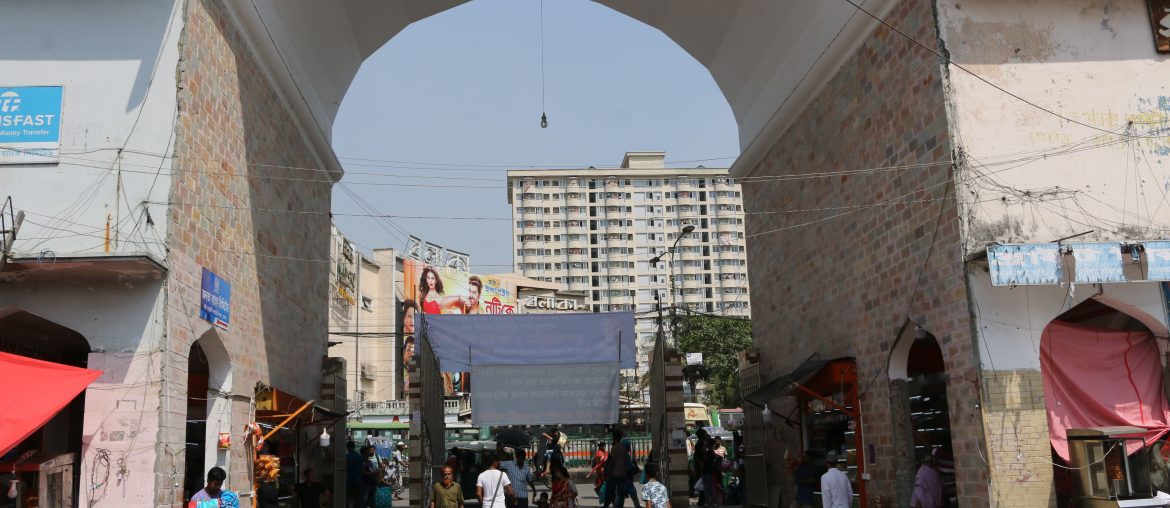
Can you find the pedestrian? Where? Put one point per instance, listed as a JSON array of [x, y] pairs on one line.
[[371, 474], [209, 497], [493, 485], [521, 478], [399, 465], [599, 457], [446, 493], [927, 484], [355, 493], [654, 493], [542, 501], [564, 492], [553, 453], [836, 492], [617, 472], [309, 491], [632, 471], [805, 476]]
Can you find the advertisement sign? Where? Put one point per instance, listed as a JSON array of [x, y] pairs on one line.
[[440, 290], [1097, 262], [1157, 260], [30, 124], [1024, 265], [215, 301]]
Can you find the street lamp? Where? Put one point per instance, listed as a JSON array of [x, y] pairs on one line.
[[686, 230]]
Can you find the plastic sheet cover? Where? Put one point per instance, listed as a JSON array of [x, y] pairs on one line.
[[1096, 377]]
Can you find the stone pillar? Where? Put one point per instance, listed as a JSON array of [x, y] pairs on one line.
[[1019, 452]]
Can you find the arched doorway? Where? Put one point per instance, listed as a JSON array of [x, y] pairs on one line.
[[1101, 367], [25, 334], [918, 380], [208, 410]]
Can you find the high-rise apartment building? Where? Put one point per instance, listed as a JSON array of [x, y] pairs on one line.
[[597, 230]]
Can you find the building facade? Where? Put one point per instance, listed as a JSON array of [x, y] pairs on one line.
[[969, 128], [160, 248], [596, 231]]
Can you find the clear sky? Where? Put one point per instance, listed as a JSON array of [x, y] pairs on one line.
[[456, 99]]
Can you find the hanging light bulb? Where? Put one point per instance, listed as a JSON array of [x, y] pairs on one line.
[[543, 121], [324, 440], [766, 414], [12, 488]]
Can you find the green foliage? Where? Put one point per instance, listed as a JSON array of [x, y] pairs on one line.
[[720, 340]]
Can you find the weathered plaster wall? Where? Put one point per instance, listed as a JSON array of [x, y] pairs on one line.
[[1030, 175], [241, 209], [116, 64], [853, 255]]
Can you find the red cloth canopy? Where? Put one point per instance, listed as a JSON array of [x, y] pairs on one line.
[[1095, 377], [32, 392]]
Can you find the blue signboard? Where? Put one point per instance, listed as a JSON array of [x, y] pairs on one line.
[[30, 124], [1097, 262], [1023, 265], [1157, 260], [215, 302]]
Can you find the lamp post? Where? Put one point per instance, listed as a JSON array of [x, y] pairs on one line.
[[686, 230]]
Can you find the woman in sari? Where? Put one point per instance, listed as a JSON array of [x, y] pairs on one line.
[[564, 492]]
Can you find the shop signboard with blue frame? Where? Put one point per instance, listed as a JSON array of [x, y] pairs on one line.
[[1157, 260], [1025, 264], [1097, 262], [30, 124], [215, 301]]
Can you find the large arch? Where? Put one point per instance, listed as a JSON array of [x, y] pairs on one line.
[[766, 56], [209, 385]]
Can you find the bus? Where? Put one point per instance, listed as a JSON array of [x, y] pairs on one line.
[[696, 416]]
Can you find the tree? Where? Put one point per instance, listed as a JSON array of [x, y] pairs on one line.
[[720, 340]]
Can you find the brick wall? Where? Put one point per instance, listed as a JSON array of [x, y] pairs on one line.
[[841, 281], [1017, 438], [236, 148]]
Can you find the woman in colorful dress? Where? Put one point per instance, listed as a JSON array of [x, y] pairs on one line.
[[564, 493]]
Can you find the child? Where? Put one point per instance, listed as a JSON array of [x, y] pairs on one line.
[[543, 501]]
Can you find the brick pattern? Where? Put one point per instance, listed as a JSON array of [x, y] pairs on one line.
[[667, 402], [841, 282], [235, 142], [1017, 436]]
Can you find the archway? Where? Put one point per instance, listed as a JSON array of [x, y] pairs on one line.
[[208, 410], [1101, 367], [918, 393], [25, 334]]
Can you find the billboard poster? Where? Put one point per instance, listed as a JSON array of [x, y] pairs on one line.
[[438, 290], [30, 124]]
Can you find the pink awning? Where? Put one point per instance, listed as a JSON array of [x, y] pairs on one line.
[[1096, 377], [33, 392]]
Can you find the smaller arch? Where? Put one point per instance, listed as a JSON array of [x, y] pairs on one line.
[[218, 360], [1155, 326]]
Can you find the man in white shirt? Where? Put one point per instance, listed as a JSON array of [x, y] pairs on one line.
[[493, 485], [836, 492]]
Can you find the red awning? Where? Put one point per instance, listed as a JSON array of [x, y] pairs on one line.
[[34, 391]]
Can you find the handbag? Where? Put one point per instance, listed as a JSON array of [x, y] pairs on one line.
[[384, 497]]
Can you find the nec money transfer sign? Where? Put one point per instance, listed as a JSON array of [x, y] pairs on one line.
[[30, 124]]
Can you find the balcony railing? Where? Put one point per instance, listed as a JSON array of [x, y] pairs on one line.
[[402, 408]]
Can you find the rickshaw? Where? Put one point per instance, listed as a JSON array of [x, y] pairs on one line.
[[472, 457]]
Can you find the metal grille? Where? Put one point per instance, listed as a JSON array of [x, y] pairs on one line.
[[756, 482], [427, 426]]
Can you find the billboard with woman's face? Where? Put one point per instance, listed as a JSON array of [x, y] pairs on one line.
[[437, 290]]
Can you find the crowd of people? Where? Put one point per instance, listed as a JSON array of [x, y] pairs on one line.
[[716, 476], [309, 493]]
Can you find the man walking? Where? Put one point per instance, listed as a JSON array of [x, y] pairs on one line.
[[211, 493], [493, 485], [617, 472], [521, 478], [355, 493], [836, 492]]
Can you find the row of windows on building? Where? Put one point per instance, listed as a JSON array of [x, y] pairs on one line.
[[697, 250], [641, 210], [642, 266], [527, 195], [594, 183], [639, 223]]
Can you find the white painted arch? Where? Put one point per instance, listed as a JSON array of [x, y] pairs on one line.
[[766, 56]]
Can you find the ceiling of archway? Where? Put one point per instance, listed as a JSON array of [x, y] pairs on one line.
[[764, 55]]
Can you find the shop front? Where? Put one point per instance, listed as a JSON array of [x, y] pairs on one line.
[[290, 435], [826, 393]]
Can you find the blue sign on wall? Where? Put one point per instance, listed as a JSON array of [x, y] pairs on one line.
[[215, 302], [1098, 262], [1157, 260], [1023, 265], [30, 124]]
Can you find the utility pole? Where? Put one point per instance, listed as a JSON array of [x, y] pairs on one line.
[[9, 232]]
